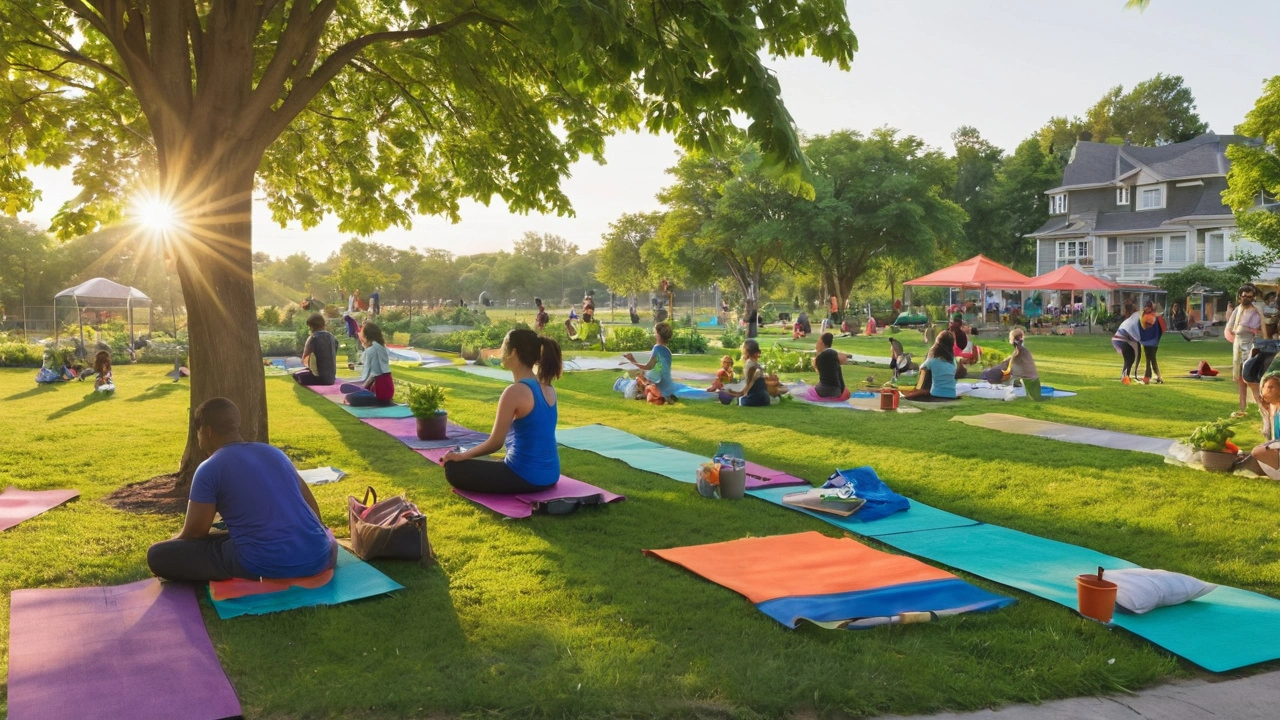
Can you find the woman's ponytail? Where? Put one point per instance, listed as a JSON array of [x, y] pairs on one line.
[[550, 364]]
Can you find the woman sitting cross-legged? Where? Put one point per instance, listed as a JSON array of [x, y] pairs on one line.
[[755, 390], [937, 372], [375, 386], [528, 409]]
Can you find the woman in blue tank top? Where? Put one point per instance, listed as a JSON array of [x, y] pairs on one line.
[[528, 410]]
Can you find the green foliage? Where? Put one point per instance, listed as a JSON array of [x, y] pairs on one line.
[[423, 399], [622, 265], [269, 317], [163, 353], [1247, 269], [688, 342], [1157, 111], [276, 343], [992, 356], [627, 338], [20, 354], [1255, 170], [1212, 436], [732, 339], [779, 359]]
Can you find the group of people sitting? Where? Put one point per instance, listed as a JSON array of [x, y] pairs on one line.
[[55, 369], [374, 386], [945, 362]]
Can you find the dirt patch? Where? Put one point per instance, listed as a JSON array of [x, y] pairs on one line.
[[154, 496]]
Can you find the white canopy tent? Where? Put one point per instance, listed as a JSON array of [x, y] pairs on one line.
[[102, 294]]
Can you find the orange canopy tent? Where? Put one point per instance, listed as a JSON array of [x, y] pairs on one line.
[[978, 272], [1068, 277]]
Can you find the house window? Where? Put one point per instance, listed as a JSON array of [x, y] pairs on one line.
[[1178, 250], [1058, 204], [1113, 252], [1135, 252], [1122, 195], [1157, 250], [1151, 198], [1217, 251], [1075, 252]]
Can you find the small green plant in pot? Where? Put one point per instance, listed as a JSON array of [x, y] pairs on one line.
[[425, 401], [1213, 441]]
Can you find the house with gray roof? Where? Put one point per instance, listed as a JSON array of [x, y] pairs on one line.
[[1133, 213]]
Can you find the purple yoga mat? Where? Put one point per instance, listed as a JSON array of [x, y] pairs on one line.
[[762, 477], [522, 506], [130, 652], [18, 505], [406, 431]]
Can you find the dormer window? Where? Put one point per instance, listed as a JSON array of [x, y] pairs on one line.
[[1122, 195], [1058, 204], [1151, 197]]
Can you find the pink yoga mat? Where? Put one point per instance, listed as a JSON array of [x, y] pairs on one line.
[[18, 505], [522, 506], [130, 652], [406, 431], [762, 477]]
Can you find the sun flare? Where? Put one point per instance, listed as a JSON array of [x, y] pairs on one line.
[[155, 214]]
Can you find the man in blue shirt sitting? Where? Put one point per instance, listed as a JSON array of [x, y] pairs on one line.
[[273, 522]]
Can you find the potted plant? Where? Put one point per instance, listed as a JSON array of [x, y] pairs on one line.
[[1212, 441], [425, 401]]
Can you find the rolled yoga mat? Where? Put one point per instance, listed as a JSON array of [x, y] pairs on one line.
[[130, 652]]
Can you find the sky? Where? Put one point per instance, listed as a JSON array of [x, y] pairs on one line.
[[925, 67]]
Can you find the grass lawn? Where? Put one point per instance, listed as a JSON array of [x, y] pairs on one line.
[[563, 616]]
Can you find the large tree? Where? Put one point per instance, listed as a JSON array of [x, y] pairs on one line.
[[977, 162], [880, 195], [1253, 182], [1157, 111], [372, 110], [622, 266]]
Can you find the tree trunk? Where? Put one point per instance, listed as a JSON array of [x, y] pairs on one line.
[[214, 262]]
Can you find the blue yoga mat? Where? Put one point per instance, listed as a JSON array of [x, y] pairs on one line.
[[637, 452], [353, 579], [378, 411]]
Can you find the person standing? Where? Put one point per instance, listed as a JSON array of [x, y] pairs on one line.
[[375, 301], [540, 321], [1127, 341], [1244, 325], [1151, 330]]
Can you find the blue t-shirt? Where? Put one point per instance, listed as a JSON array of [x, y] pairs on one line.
[[660, 374], [531, 445], [943, 376], [255, 488]]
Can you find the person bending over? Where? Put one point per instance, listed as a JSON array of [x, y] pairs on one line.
[[1151, 329], [319, 355], [529, 410], [658, 370], [273, 522], [375, 386], [755, 391], [937, 372], [1127, 341], [827, 362]]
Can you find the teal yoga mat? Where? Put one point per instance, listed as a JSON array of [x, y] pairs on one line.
[[1227, 629], [353, 579], [383, 411], [634, 451], [919, 517]]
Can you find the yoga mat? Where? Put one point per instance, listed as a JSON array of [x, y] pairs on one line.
[[919, 517], [1070, 433], [130, 652], [18, 505], [239, 587], [659, 459], [987, 391], [829, 580], [1227, 629], [576, 364], [483, 371], [334, 394], [525, 504], [406, 431], [321, 475], [353, 579]]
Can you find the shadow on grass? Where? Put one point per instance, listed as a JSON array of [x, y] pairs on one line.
[[92, 398], [39, 389], [157, 391]]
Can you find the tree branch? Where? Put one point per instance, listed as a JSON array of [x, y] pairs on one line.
[[78, 59]]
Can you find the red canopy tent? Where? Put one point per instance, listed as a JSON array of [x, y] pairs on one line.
[[1068, 277], [978, 271]]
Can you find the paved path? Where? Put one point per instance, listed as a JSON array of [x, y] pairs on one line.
[[1248, 698]]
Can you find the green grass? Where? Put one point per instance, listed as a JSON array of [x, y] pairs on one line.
[[563, 616]]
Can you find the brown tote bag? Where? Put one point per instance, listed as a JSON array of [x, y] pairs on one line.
[[393, 528]]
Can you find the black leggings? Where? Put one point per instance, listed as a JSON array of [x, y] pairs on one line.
[[306, 377], [209, 558], [488, 475], [1128, 353], [1153, 368]]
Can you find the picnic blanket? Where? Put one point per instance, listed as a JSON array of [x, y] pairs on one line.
[[1070, 433], [831, 582], [563, 497], [353, 579], [658, 459], [18, 505], [130, 652], [987, 391]]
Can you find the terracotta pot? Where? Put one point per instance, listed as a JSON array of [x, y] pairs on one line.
[[1217, 461], [435, 427], [1096, 598], [889, 399]]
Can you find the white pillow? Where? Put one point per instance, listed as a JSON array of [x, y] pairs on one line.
[[1141, 590]]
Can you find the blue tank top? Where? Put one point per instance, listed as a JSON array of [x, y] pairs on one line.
[[531, 447]]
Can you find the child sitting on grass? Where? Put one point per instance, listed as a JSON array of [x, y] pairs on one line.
[[102, 369], [724, 375]]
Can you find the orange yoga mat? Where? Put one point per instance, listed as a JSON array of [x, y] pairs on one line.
[[808, 563], [239, 587]]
